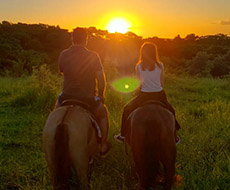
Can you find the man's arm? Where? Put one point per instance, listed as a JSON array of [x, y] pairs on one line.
[[101, 83], [100, 76], [59, 63]]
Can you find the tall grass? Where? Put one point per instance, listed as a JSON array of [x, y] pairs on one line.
[[202, 108], [41, 92]]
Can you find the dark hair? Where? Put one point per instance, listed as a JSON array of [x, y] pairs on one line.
[[148, 56], [79, 35]]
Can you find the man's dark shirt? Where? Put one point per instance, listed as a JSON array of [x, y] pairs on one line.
[[79, 66]]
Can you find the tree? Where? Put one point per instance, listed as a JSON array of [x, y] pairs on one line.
[[221, 65], [201, 65], [191, 38]]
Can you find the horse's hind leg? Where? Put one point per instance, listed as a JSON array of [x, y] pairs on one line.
[[169, 166], [90, 170], [142, 168], [58, 184], [81, 165]]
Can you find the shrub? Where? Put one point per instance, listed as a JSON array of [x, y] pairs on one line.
[[43, 90], [221, 65], [201, 65]]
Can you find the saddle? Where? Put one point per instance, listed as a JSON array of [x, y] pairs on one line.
[[156, 102], [76, 103], [86, 107]]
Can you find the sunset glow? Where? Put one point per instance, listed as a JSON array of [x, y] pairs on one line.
[[119, 25], [165, 19]]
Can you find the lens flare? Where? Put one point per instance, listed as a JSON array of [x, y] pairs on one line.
[[126, 84]]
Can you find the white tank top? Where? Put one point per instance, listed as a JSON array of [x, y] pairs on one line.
[[150, 80]]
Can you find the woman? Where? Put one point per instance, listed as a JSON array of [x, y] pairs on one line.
[[151, 73]]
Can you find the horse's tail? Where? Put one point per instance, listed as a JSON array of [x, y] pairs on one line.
[[61, 157], [146, 145], [152, 158]]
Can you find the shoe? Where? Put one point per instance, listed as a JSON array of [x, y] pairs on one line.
[[177, 140], [104, 153], [119, 138]]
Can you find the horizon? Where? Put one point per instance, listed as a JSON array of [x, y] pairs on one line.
[[144, 37], [165, 19]]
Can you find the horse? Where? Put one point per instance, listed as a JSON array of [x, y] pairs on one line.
[[152, 143], [69, 141]]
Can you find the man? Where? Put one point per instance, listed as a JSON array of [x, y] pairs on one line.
[[82, 70]]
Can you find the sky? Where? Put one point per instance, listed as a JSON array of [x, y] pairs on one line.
[[148, 18]]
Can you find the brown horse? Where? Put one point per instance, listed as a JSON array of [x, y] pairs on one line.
[[152, 142], [69, 141]]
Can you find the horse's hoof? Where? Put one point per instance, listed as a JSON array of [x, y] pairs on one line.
[[105, 153]]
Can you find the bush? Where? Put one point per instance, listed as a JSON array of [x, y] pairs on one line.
[[43, 90], [201, 65], [221, 65]]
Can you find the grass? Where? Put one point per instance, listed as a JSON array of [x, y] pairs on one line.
[[203, 157]]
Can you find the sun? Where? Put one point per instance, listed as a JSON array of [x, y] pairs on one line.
[[119, 25]]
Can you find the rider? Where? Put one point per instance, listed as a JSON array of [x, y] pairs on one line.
[[151, 73], [84, 80]]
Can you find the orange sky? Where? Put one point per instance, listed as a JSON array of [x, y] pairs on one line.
[[165, 18]]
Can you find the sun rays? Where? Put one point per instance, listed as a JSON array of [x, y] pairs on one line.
[[120, 25]]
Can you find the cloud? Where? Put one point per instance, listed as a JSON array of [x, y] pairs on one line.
[[225, 22]]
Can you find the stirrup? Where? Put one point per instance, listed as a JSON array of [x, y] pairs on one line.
[[119, 138], [177, 140]]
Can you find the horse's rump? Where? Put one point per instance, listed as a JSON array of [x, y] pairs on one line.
[[152, 141], [69, 140]]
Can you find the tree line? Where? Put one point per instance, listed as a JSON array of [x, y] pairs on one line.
[[26, 46]]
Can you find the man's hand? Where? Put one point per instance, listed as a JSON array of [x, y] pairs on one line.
[[101, 85], [102, 99]]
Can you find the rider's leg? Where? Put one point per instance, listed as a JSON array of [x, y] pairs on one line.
[[101, 114], [129, 108]]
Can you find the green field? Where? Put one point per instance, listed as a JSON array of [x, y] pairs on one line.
[[202, 108]]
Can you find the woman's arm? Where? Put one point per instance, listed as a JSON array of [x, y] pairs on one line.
[[138, 77], [137, 71], [162, 74]]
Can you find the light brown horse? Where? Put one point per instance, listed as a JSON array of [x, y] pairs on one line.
[[151, 138], [69, 141]]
